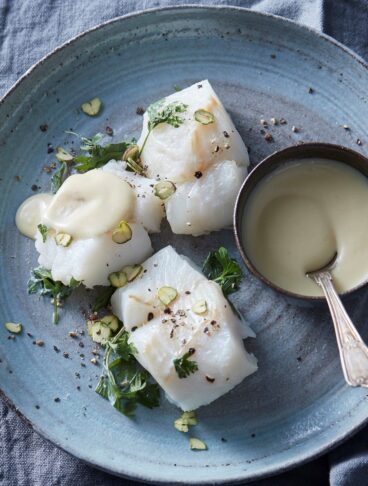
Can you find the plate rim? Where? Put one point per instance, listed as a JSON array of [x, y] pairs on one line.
[[271, 470]]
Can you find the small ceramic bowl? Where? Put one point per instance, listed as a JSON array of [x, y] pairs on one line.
[[273, 162]]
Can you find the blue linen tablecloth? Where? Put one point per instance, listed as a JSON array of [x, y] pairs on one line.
[[29, 29]]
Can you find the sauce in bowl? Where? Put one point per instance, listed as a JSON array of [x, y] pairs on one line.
[[299, 215]]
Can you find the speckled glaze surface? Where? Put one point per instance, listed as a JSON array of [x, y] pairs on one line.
[[297, 405]]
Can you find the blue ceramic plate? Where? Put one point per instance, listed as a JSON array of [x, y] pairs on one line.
[[297, 405]]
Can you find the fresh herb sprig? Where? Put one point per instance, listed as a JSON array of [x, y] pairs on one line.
[[162, 112], [221, 268], [184, 366], [123, 382], [97, 155], [41, 282]]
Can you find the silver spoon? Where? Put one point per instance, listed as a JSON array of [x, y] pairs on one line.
[[353, 351]]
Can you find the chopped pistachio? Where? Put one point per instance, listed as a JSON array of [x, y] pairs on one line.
[[182, 423], [63, 239], [167, 295], [92, 107], [63, 155], [200, 307], [90, 324], [132, 271], [111, 321], [189, 418], [100, 332], [14, 327], [131, 152], [133, 166], [180, 426], [118, 279], [197, 444], [164, 189], [122, 233], [203, 116]]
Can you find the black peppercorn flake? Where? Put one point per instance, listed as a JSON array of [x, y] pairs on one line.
[[268, 137]]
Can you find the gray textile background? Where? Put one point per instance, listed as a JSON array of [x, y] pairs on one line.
[[28, 30]]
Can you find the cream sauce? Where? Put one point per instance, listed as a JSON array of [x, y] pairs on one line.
[[86, 205], [300, 215], [30, 212]]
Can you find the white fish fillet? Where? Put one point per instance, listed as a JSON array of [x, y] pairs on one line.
[[92, 260], [177, 153], [149, 209], [206, 204], [215, 336]]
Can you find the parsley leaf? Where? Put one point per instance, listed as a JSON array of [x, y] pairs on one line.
[[123, 382], [59, 177], [221, 268], [183, 366], [43, 229], [97, 155], [162, 112], [41, 282]]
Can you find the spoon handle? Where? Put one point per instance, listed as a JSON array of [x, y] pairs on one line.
[[353, 351]]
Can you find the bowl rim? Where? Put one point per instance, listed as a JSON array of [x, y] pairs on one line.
[[288, 153]]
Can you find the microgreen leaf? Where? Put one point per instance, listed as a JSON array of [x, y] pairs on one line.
[[43, 229], [123, 382], [41, 282], [59, 177], [97, 155], [184, 366], [162, 112]]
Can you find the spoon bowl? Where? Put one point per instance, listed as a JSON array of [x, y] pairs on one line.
[[330, 265]]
